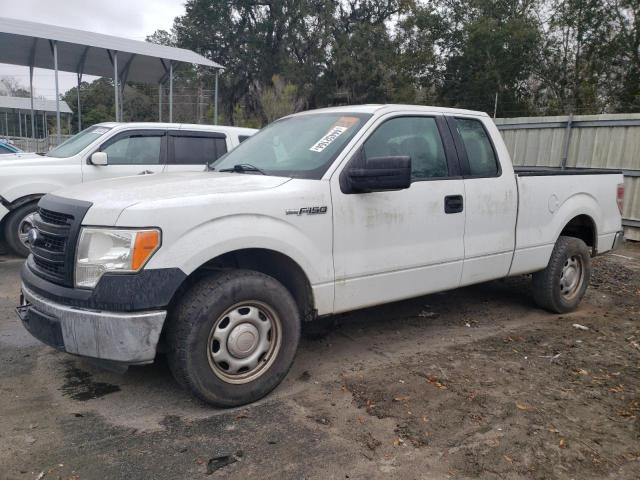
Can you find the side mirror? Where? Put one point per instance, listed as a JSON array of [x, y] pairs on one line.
[[380, 174], [99, 158]]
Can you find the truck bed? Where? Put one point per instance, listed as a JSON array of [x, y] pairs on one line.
[[549, 198]]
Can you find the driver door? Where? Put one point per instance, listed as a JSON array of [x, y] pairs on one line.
[[135, 152], [399, 244]]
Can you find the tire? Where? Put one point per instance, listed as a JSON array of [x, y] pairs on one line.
[[209, 328], [560, 287], [15, 228]]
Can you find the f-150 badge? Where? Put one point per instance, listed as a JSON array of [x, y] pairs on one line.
[[306, 211]]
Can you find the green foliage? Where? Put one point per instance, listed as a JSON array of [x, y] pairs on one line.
[[280, 56]]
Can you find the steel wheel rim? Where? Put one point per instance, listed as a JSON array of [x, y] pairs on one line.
[[244, 342], [572, 277], [24, 227]]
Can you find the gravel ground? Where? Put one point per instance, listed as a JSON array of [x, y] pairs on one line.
[[473, 383]]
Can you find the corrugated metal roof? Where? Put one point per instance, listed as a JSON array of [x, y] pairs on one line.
[[39, 104], [27, 43]]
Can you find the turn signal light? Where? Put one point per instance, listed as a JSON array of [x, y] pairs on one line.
[[147, 242]]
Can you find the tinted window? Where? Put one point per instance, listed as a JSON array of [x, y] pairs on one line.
[[134, 150], [4, 149], [194, 150], [480, 154], [242, 138], [221, 147], [417, 137]]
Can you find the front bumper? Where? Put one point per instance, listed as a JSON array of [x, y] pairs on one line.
[[129, 338]]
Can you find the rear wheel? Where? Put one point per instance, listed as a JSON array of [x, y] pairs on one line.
[[561, 286], [233, 337], [17, 227]]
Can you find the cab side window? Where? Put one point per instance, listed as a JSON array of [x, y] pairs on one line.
[[134, 149], [192, 148], [480, 155], [416, 137]]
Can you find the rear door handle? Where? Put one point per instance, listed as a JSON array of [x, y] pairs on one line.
[[453, 204]]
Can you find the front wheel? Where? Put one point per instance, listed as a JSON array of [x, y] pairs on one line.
[[233, 337], [17, 227], [561, 286]]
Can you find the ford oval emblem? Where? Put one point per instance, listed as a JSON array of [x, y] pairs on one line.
[[32, 236]]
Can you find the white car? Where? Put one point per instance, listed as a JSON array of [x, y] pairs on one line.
[[321, 212], [105, 150]]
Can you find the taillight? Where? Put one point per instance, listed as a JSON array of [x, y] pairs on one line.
[[620, 197]]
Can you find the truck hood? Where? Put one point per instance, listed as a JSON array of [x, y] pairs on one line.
[[110, 197], [14, 160]]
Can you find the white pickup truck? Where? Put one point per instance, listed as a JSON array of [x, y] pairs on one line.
[[321, 212], [104, 150]]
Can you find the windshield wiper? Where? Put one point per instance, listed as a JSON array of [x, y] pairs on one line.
[[242, 168]]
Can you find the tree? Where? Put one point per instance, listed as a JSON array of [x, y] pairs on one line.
[[491, 50], [10, 87]]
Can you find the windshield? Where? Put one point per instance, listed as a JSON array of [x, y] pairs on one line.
[[78, 142], [302, 146]]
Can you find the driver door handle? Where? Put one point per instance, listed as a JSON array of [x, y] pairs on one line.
[[453, 204]]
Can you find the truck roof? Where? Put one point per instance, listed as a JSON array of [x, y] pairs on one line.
[[180, 126], [385, 108]]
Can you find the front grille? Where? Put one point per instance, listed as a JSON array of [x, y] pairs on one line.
[[54, 218], [54, 269], [57, 226], [48, 246], [52, 243]]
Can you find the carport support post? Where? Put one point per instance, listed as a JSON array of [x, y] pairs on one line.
[[215, 100], [19, 124], [55, 67], [79, 111], [115, 83], [33, 120], [170, 92], [160, 102]]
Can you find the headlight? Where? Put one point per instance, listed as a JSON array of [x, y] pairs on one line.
[[103, 250]]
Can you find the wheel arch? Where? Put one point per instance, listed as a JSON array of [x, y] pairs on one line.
[[584, 227], [15, 204], [270, 262]]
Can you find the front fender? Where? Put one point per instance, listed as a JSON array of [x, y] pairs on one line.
[[241, 231], [28, 187]]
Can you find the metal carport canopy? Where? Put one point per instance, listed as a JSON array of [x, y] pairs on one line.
[[36, 45]]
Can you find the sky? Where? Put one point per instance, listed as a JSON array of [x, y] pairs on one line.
[[134, 19]]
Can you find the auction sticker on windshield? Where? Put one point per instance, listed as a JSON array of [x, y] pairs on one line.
[[328, 139], [342, 125]]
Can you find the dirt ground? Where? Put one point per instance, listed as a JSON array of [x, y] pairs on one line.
[[474, 383]]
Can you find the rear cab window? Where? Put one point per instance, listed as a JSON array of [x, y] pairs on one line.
[[196, 148], [481, 158]]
